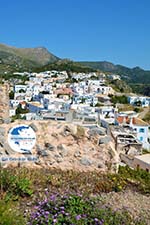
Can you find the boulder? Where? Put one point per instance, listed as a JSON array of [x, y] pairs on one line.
[[104, 140], [62, 150], [77, 154], [86, 162], [49, 146]]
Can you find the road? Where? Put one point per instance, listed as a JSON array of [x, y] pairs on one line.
[[144, 112]]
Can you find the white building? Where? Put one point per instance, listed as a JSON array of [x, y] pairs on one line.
[[142, 130], [141, 100]]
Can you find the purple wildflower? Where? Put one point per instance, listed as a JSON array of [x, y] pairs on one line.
[[54, 220], [78, 217]]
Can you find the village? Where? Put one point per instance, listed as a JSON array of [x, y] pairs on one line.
[[85, 100]]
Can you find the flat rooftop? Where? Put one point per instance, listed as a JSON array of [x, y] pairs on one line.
[[145, 158]]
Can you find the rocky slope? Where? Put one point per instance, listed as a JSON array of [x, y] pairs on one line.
[[64, 146]]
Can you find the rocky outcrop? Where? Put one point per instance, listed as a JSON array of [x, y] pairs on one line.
[[63, 145], [4, 103]]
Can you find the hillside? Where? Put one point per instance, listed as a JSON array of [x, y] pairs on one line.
[[68, 65], [12, 58], [38, 59], [137, 78], [136, 74]]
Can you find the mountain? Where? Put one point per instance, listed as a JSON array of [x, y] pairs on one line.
[[137, 78], [132, 75], [67, 65], [12, 58]]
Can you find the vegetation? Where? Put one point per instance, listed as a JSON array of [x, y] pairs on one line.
[[143, 89], [11, 76], [119, 99], [67, 196], [14, 186], [147, 117], [23, 59], [75, 209], [9, 214], [138, 109], [66, 65], [120, 86], [20, 110], [137, 78], [11, 94]]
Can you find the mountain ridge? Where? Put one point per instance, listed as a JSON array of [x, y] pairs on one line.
[[35, 57], [14, 59]]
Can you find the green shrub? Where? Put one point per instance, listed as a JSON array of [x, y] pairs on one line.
[[9, 215], [14, 185], [139, 177]]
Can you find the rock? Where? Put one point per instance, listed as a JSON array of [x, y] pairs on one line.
[[49, 146], [34, 127], [7, 120], [96, 130], [100, 165], [66, 131], [54, 135], [59, 160], [2, 139], [77, 154], [8, 148], [51, 162], [2, 131], [111, 153], [44, 153], [62, 150], [7, 153], [85, 161], [104, 140], [41, 152], [38, 162]]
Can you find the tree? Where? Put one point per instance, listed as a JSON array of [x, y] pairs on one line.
[[11, 95]]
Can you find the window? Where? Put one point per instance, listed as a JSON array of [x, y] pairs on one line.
[[141, 138], [141, 130]]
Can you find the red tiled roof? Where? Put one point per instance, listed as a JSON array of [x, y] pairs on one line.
[[134, 121], [64, 91]]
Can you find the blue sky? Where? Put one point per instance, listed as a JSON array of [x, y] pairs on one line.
[[92, 30]]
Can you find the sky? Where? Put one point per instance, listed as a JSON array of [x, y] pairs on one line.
[[117, 31]]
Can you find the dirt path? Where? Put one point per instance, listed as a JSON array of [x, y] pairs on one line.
[[137, 204], [144, 112]]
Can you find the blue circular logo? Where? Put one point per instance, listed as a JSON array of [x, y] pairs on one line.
[[22, 138]]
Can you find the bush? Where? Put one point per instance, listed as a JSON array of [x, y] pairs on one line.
[[9, 215], [14, 186], [74, 209], [119, 99], [139, 177]]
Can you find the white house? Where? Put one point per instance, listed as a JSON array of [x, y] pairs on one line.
[[142, 130], [143, 100], [19, 88], [139, 127]]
